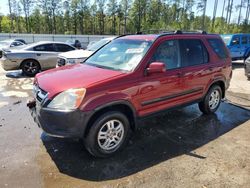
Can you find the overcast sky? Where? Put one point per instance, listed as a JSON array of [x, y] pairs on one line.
[[210, 3]]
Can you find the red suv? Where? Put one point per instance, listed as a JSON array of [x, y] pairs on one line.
[[133, 76]]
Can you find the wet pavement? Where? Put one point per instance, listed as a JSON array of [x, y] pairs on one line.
[[181, 148]]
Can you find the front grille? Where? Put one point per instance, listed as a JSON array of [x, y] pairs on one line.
[[39, 93], [61, 62]]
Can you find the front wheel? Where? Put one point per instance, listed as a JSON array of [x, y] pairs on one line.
[[30, 67], [108, 134], [212, 100]]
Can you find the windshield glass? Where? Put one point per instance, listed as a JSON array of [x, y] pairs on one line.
[[98, 44], [226, 39], [121, 54]]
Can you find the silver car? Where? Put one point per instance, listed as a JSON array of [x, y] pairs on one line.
[[247, 67], [34, 57], [79, 56], [5, 44]]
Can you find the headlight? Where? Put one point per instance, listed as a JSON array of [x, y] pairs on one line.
[[75, 61], [68, 100]]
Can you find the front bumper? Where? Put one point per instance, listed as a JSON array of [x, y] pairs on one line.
[[247, 69], [59, 123], [8, 64]]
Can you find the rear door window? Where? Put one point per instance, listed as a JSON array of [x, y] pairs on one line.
[[193, 52], [244, 40], [218, 47]]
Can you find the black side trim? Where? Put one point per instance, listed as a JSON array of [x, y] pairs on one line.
[[171, 96], [141, 118]]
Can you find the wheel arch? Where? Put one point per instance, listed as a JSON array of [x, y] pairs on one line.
[[122, 106], [220, 83], [247, 53]]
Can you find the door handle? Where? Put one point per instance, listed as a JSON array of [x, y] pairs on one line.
[[179, 74]]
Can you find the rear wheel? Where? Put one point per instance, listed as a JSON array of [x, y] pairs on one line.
[[108, 134], [212, 100], [30, 67]]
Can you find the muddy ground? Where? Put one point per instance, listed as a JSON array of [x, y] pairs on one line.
[[181, 148]]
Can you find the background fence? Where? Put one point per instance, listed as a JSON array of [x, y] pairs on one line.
[[30, 38]]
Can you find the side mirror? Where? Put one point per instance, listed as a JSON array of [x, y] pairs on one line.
[[156, 67], [234, 42]]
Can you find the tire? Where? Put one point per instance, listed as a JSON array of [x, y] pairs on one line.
[[30, 67], [100, 141], [212, 100]]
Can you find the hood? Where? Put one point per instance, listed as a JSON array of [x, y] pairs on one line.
[[2, 47], [76, 54], [74, 76]]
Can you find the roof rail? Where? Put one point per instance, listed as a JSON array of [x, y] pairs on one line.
[[191, 32], [162, 31]]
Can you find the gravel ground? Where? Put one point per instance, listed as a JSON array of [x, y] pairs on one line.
[[181, 148]]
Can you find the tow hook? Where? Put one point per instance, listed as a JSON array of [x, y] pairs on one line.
[[31, 104]]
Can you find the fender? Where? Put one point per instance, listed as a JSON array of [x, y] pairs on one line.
[[247, 53], [94, 102], [216, 79], [114, 103]]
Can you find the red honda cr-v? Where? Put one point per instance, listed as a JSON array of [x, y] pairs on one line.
[[132, 77]]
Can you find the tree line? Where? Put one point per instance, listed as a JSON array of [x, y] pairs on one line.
[[123, 16]]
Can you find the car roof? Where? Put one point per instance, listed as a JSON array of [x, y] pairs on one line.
[[8, 40], [32, 45], [50, 42], [109, 38], [149, 37], [235, 34], [152, 37]]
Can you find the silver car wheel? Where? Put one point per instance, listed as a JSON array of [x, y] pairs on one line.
[[214, 99], [30, 67], [110, 134]]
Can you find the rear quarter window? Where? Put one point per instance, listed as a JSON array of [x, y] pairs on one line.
[[64, 48], [218, 47]]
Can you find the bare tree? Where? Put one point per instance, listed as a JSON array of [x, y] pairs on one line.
[[112, 9], [201, 6], [230, 11], [214, 13], [27, 6], [101, 15], [125, 8], [223, 8], [240, 8], [247, 11], [10, 4], [17, 12], [55, 6]]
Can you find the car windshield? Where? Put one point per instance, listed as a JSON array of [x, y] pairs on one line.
[[98, 45], [226, 39], [121, 54]]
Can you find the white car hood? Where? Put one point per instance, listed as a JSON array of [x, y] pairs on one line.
[[76, 54]]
